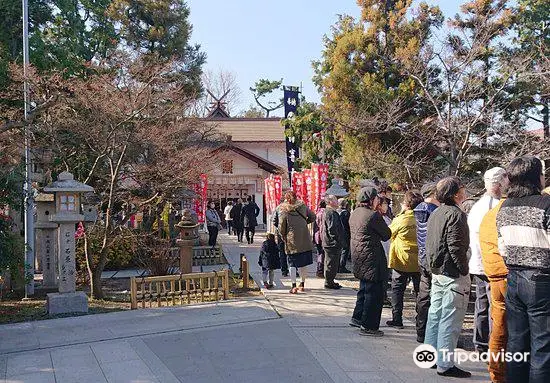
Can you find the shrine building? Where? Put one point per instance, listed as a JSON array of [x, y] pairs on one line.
[[254, 150]]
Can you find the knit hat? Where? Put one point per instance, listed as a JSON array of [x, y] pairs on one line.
[[366, 194], [428, 189], [494, 175]]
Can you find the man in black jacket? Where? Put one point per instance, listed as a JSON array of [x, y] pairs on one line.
[[332, 237], [344, 217], [236, 216], [370, 264], [447, 244], [249, 214]]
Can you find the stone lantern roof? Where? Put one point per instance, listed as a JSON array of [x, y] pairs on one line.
[[66, 183], [336, 190]]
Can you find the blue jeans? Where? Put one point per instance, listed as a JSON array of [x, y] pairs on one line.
[[447, 309], [528, 322], [370, 299]]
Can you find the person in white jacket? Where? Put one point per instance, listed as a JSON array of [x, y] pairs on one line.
[[228, 219], [495, 181]]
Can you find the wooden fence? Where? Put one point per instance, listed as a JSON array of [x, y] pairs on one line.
[[179, 289], [207, 255]]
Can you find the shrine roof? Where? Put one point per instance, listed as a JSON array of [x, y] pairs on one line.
[[251, 129], [262, 162]]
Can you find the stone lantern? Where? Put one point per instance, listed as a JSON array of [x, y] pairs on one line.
[[67, 193], [187, 227], [336, 190], [46, 239]]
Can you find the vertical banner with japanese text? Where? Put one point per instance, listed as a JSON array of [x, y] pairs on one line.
[[314, 188], [291, 103], [306, 186], [297, 184], [201, 189], [270, 195], [278, 189]]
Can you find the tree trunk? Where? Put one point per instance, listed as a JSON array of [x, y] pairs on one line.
[[95, 283], [546, 118]]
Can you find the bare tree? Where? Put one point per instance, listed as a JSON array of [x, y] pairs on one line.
[[124, 133]]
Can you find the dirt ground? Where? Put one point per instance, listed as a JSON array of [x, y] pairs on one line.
[[116, 298]]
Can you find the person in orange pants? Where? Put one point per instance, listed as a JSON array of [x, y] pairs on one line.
[[496, 272]]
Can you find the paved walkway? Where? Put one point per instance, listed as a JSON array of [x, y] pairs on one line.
[[282, 338], [320, 318]]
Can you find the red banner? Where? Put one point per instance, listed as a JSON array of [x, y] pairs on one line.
[[200, 201], [306, 187], [297, 184], [270, 195], [278, 189], [314, 188]]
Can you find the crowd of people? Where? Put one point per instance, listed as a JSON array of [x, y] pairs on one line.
[[240, 219], [502, 245]]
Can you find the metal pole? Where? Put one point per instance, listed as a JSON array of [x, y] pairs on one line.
[[28, 192]]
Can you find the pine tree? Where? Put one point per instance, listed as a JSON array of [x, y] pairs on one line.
[[360, 77]]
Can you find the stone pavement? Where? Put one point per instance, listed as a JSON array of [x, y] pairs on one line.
[[279, 338], [320, 319]]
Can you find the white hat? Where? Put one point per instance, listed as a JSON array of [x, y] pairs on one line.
[[494, 175]]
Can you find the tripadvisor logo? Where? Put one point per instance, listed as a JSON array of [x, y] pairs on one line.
[[425, 356]]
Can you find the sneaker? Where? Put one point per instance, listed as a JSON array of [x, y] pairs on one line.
[[332, 286], [355, 323], [293, 289], [367, 332], [395, 324], [270, 286], [455, 372]]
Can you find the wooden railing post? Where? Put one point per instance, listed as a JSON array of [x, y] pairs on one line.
[[225, 284], [245, 273], [133, 293]]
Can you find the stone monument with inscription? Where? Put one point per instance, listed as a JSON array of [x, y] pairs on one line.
[[46, 239], [67, 193]]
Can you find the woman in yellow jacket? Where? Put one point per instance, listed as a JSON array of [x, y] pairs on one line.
[[403, 256]]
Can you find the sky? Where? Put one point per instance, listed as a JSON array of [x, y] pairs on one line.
[[270, 39]]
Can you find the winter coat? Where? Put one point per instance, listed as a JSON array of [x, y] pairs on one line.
[[293, 221], [269, 256], [493, 263], [448, 241], [475, 216], [249, 214], [332, 232], [344, 217], [227, 212], [421, 213], [368, 229], [212, 218], [403, 254], [236, 214], [317, 226]]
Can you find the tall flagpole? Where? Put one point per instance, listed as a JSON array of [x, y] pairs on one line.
[[29, 198]]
